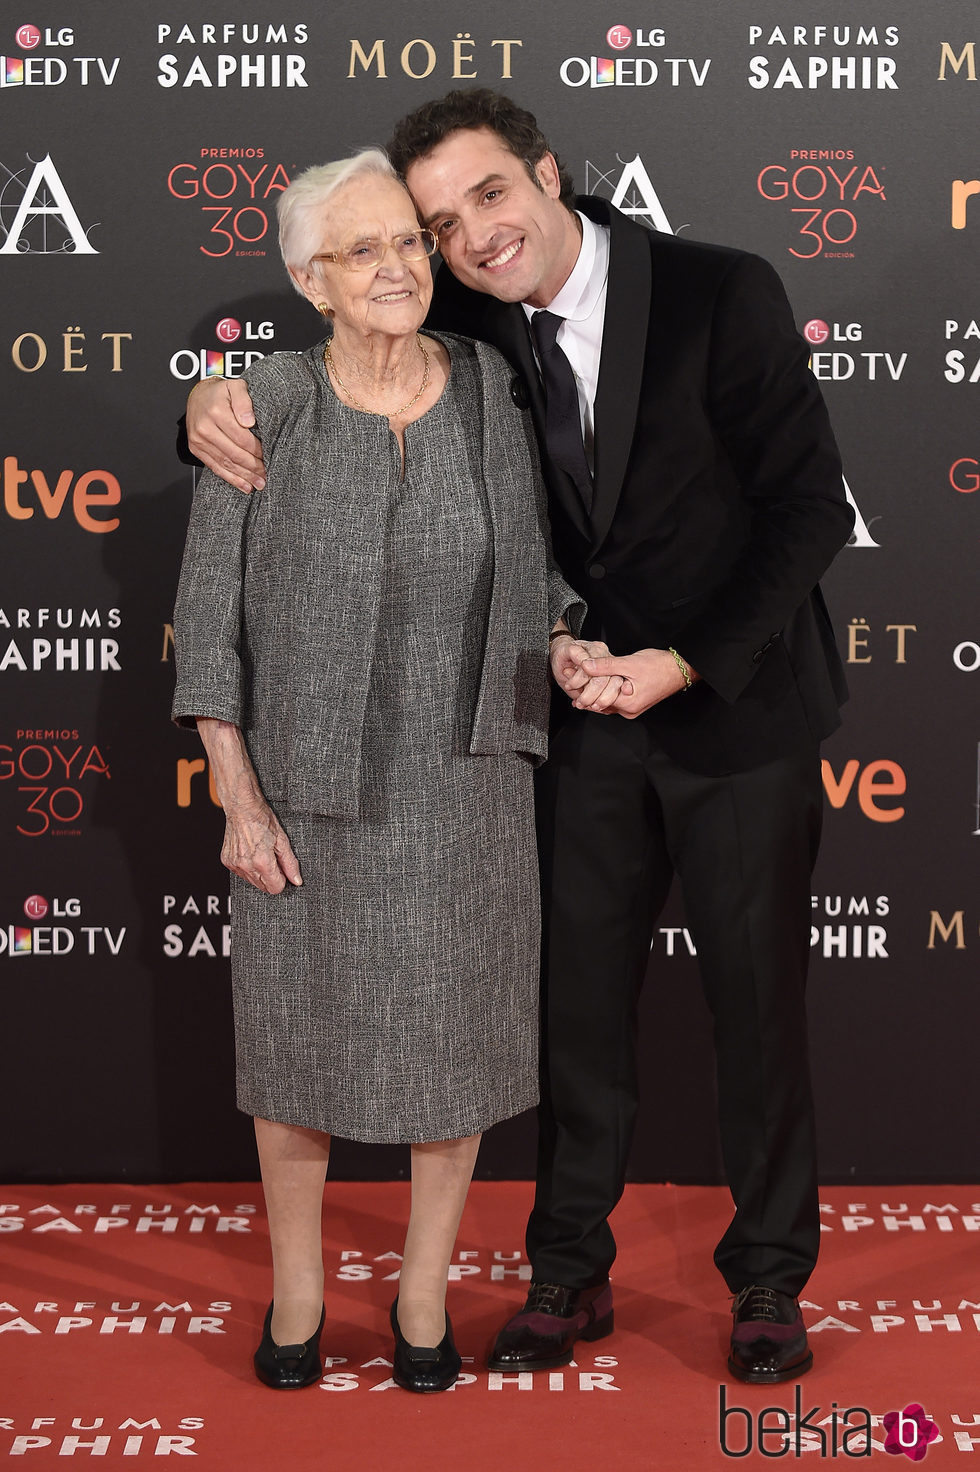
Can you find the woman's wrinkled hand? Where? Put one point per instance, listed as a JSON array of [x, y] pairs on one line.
[[586, 692], [256, 848]]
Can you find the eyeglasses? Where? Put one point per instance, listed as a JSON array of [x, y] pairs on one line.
[[366, 254]]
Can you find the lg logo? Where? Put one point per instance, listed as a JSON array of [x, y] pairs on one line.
[[230, 330], [817, 332], [619, 37]]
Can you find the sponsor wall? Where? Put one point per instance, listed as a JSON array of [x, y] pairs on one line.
[[141, 157]]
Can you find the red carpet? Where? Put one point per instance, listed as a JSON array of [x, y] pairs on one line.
[[129, 1316]]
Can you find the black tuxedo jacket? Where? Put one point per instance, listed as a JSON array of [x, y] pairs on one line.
[[719, 499]]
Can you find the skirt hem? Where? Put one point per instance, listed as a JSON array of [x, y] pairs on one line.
[[343, 1131]]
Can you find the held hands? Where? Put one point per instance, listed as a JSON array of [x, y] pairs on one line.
[[647, 677], [586, 691], [219, 420], [257, 849]]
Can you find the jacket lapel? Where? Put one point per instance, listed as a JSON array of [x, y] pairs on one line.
[[505, 326], [624, 338]]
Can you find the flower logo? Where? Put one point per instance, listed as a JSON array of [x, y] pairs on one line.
[[909, 1432]]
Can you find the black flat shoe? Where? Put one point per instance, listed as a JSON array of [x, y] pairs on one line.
[[424, 1370], [288, 1366]]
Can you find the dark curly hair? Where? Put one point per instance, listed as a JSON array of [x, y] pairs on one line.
[[425, 128]]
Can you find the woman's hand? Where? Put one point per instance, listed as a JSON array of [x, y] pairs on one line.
[[256, 848]]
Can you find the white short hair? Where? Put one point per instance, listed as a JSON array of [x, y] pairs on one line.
[[299, 207]]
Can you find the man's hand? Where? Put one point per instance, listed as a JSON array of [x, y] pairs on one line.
[[648, 676], [219, 420], [569, 657]]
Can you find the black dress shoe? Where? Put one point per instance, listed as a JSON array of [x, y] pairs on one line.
[[768, 1337], [288, 1366], [424, 1370], [542, 1336]]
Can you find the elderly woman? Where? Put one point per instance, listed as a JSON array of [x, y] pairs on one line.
[[363, 648]]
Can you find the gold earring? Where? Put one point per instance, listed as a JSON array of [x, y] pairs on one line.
[[324, 310]]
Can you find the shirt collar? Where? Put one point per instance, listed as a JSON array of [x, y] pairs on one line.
[[577, 299]]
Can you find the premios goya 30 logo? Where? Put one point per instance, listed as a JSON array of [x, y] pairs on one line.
[[49, 776], [825, 191], [236, 195]]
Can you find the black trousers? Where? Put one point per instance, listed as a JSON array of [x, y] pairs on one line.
[[617, 818]]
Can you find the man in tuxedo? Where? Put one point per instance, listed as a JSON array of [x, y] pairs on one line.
[[696, 498]]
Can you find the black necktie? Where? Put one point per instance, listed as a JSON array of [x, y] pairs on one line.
[[563, 425]]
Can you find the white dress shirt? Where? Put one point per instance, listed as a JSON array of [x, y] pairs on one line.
[[582, 303]]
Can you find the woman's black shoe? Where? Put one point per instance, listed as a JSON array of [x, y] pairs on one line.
[[288, 1366], [424, 1370]]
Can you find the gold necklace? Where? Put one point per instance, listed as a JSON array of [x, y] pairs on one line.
[[382, 413]]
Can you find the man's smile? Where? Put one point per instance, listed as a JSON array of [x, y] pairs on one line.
[[503, 257]]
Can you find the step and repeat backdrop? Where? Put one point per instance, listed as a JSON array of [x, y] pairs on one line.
[[142, 150]]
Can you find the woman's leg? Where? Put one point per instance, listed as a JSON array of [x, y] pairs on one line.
[[441, 1173], [294, 1166]]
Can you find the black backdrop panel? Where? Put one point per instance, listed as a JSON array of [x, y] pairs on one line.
[[140, 162]]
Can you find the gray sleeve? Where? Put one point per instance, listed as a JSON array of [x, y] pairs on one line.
[[208, 618], [208, 612]]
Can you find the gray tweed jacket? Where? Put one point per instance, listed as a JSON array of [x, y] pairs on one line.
[[279, 591]]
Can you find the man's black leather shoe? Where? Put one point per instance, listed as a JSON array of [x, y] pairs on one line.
[[288, 1366], [542, 1336], [768, 1337], [424, 1370]]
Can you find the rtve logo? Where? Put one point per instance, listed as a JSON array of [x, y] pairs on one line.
[[878, 786], [92, 490]]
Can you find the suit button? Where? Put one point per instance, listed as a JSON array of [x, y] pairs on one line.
[[518, 392], [597, 570]]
